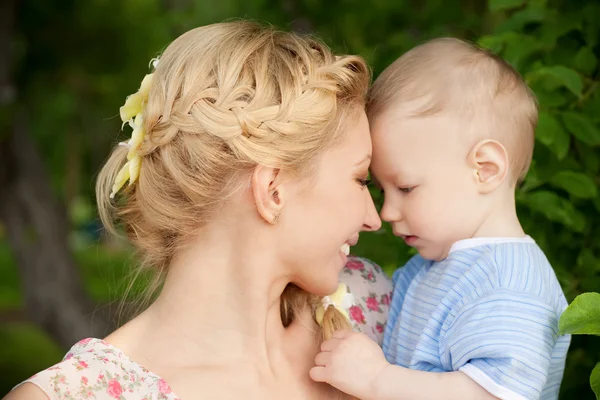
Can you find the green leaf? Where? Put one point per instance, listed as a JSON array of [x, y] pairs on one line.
[[595, 381], [567, 77], [518, 48], [588, 156], [551, 133], [550, 99], [521, 18], [596, 202], [495, 43], [542, 200], [574, 218], [582, 316], [592, 30], [556, 209], [561, 144], [592, 105], [581, 127], [548, 128], [499, 5], [585, 60], [556, 25], [575, 183], [538, 3], [586, 261], [531, 181]]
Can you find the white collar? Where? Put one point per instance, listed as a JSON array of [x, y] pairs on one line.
[[479, 241]]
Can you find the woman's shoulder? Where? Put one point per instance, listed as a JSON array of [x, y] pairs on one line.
[[372, 291], [95, 369], [27, 391]]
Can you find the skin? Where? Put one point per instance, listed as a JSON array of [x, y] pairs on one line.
[[218, 316], [442, 184]]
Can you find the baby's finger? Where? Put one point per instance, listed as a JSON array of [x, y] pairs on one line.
[[330, 344], [323, 358], [318, 374], [342, 334]]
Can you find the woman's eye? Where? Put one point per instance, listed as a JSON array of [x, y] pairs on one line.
[[364, 182], [406, 190]]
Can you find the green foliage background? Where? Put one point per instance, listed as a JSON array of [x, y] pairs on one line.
[[77, 60]]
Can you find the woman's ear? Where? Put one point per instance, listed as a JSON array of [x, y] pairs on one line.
[[489, 161], [269, 193]]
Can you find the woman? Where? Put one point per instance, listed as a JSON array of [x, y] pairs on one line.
[[247, 175]]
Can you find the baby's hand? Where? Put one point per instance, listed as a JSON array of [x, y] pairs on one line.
[[351, 362]]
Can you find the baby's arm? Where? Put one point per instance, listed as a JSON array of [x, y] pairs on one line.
[[396, 383], [354, 364]]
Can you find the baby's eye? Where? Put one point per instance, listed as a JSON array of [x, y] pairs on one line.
[[406, 190]]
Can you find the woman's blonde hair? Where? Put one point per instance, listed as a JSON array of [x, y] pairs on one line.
[[225, 98]]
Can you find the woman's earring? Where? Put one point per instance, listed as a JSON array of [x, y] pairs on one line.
[[275, 219]]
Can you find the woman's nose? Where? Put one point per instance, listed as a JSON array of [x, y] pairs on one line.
[[372, 220]]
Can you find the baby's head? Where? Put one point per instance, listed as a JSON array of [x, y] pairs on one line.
[[453, 133]]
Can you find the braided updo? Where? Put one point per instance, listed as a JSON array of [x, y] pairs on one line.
[[225, 98]]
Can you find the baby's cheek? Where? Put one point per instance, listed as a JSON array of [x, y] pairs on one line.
[[417, 208], [427, 215]]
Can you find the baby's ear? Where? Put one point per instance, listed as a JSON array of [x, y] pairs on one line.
[[489, 161]]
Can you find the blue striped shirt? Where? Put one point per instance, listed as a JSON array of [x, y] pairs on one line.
[[490, 310]]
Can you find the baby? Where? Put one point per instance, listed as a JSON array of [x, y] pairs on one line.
[[475, 314]]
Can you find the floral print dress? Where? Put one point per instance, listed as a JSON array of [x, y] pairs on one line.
[[372, 290], [94, 369]]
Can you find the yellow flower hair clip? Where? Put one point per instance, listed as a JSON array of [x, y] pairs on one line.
[[342, 300], [132, 113]]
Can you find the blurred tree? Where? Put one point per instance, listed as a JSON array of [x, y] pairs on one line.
[[35, 221]]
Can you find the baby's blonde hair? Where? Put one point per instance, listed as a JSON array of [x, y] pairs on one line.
[[225, 98], [456, 77]]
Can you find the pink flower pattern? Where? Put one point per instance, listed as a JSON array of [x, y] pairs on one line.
[[372, 303], [356, 314], [163, 387], [354, 264], [372, 291], [114, 389], [386, 299], [94, 369]]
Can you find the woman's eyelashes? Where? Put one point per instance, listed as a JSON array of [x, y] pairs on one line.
[[363, 182]]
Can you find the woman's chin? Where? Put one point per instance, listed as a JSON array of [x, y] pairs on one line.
[[324, 286], [331, 282], [325, 280]]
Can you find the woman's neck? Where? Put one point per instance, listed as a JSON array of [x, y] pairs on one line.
[[220, 305], [218, 317]]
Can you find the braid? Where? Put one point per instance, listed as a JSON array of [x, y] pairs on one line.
[[226, 98]]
